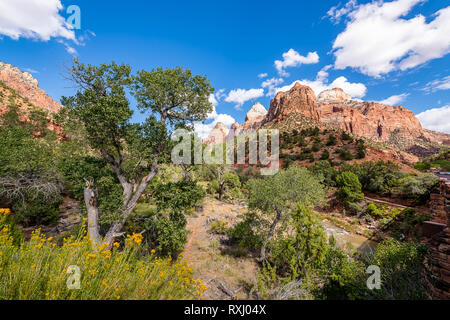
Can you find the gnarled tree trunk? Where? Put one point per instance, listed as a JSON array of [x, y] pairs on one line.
[[270, 236], [91, 200]]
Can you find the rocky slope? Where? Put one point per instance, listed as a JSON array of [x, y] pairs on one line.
[[20, 89], [24, 85]]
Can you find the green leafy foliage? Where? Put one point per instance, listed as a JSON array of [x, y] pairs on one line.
[[377, 177], [418, 187], [349, 188], [178, 196], [304, 250]]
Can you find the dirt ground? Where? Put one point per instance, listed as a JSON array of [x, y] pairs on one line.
[[226, 275]]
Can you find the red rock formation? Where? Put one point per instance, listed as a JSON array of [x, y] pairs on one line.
[[27, 87], [335, 108], [371, 120], [299, 99]]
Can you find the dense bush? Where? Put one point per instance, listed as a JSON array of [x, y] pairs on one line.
[[178, 196], [29, 182], [401, 266], [325, 155], [349, 188], [303, 250], [331, 140], [346, 137], [418, 188], [325, 171], [246, 233], [422, 166], [377, 177], [344, 154]]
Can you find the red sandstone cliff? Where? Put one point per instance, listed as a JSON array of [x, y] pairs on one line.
[[372, 120], [299, 99], [21, 89], [27, 87]]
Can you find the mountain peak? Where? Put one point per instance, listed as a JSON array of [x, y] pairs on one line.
[[333, 95]]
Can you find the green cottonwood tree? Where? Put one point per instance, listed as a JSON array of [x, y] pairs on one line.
[[349, 188], [280, 193], [169, 97]]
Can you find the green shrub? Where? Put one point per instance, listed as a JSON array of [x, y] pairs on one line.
[[38, 212], [295, 255], [246, 232], [401, 266], [219, 227], [349, 190], [325, 155], [331, 140], [347, 137], [422, 166], [376, 177], [418, 187], [315, 147], [325, 172], [178, 196]]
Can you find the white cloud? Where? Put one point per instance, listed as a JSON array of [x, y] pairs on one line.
[[35, 19], [220, 94], [240, 96], [29, 70], [336, 13], [203, 129], [440, 84], [262, 75], [378, 39], [395, 100], [212, 99], [293, 59], [321, 83], [271, 85], [436, 119]]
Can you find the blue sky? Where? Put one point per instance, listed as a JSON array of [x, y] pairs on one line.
[[391, 51]]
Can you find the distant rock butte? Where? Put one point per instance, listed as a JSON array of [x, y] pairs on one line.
[[235, 130], [217, 135], [299, 99], [26, 86], [335, 108]]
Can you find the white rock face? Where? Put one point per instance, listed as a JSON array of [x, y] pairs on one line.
[[15, 72], [333, 95], [218, 134], [256, 113], [235, 130]]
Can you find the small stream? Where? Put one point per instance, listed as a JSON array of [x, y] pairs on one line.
[[360, 243]]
